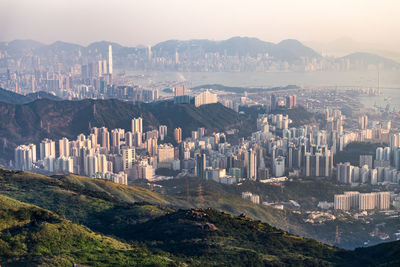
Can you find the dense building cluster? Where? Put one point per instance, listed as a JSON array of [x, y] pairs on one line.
[[384, 167], [362, 201]]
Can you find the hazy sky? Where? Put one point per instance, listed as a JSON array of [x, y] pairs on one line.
[[133, 22]]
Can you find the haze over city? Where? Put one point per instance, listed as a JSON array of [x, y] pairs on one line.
[[150, 22], [199, 133]]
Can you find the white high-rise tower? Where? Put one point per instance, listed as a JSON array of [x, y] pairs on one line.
[[110, 63]]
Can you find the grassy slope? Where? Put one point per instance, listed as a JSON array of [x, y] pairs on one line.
[[211, 237], [33, 236], [89, 201], [94, 202], [108, 208], [101, 205], [306, 191]]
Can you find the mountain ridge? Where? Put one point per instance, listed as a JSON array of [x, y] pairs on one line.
[[10, 97], [291, 51]]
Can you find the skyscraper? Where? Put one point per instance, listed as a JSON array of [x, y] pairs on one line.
[[148, 51], [252, 165], [363, 122], [201, 165], [178, 135], [180, 90], [104, 138], [137, 125], [110, 61], [25, 156], [291, 101], [366, 160], [279, 166], [379, 153], [205, 98], [63, 147], [344, 173], [128, 157], [163, 132], [47, 149], [273, 102]]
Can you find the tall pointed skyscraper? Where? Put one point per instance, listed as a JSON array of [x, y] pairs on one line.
[[110, 62]]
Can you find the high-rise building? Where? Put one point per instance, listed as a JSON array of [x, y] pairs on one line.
[[396, 158], [354, 199], [344, 173], [201, 132], [379, 153], [363, 122], [152, 147], [201, 165], [178, 135], [273, 102], [205, 98], [341, 202], [148, 52], [279, 167], [63, 147], [383, 200], [252, 165], [64, 165], [128, 157], [373, 173], [47, 149], [152, 134], [91, 165], [129, 139], [362, 201], [367, 201], [180, 90], [163, 132], [386, 153], [137, 125], [25, 156], [165, 155], [291, 101], [104, 138], [366, 160], [395, 140], [115, 140], [49, 163], [137, 139], [110, 60]]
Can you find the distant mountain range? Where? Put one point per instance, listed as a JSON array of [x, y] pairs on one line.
[[346, 45], [287, 50], [290, 51]]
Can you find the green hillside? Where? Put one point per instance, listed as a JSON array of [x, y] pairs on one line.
[[150, 228], [30, 123], [212, 238], [305, 191], [101, 205], [93, 201], [31, 236]]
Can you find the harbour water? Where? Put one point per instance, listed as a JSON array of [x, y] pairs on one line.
[[389, 81]]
